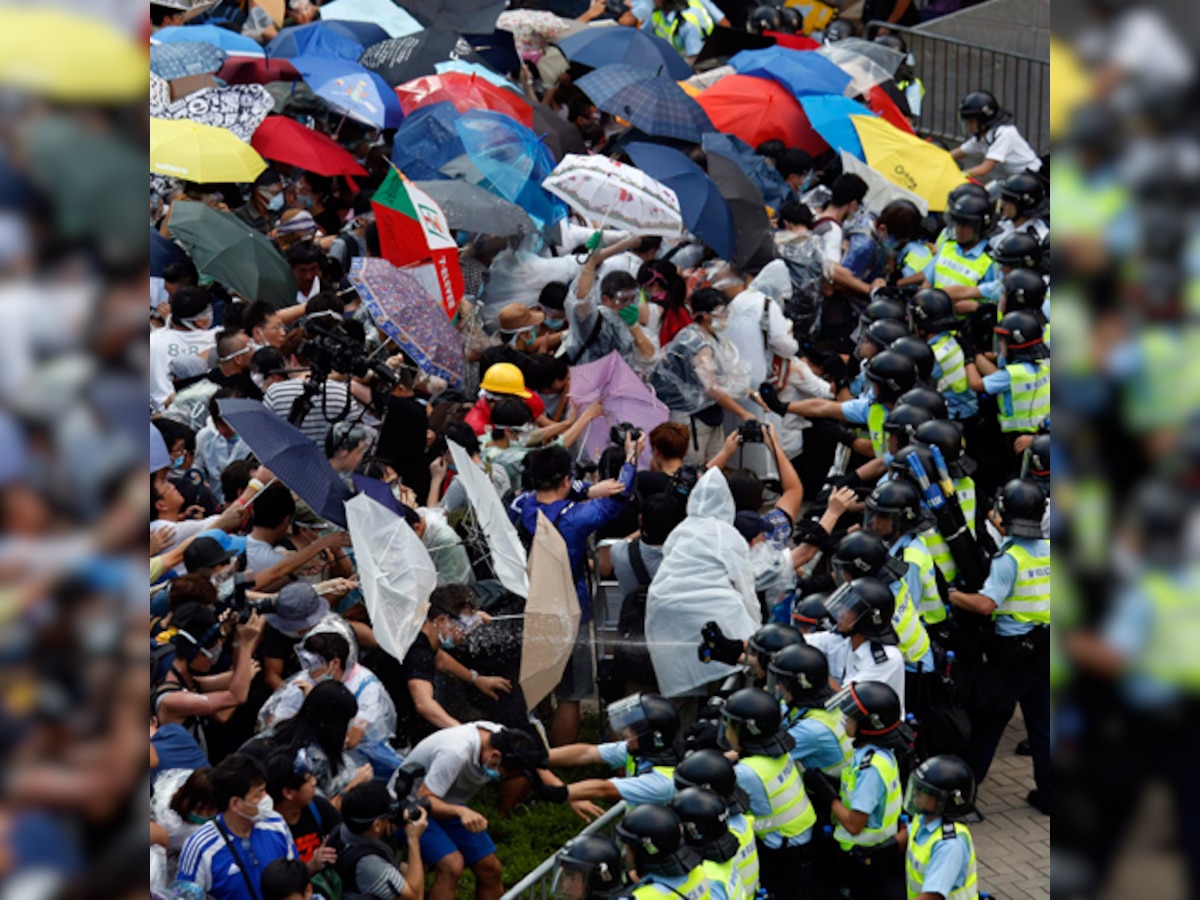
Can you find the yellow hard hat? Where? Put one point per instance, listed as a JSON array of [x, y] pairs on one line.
[[505, 378]]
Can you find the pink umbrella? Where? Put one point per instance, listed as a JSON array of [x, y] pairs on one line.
[[624, 396]]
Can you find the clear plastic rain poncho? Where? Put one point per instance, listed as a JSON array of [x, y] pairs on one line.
[[694, 363], [774, 282], [705, 576]]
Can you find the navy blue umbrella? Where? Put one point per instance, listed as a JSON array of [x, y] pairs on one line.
[[498, 50], [377, 491], [653, 104], [291, 456], [328, 39], [598, 47], [185, 58], [426, 141], [163, 252], [705, 212], [769, 182]]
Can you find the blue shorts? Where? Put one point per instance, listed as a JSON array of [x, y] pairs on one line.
[[446, 836]]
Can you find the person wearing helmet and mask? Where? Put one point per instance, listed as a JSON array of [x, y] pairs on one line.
[[962, 267], [1017, 669], [763, 19], [1003, 150], [709, 768], [895, 514], [906, 78], [684, 24], [706, 830], [500, 381], [1020, 377], [931, 314], [1036, 467], [1021, 197], [798, 676], [654, 850], [589, 868], [838, 30], [948, 439], [939, 859]]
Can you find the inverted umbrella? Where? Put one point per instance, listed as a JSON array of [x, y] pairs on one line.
[[758, 110], [231, 42], [466, 92], [465, 16], [201, 153], [409, 311], [753, 229], [598, 47], [608, 193], [405, 58], [387, 15], [830, 115], [801, 73], [469, 207], [762, 175], [351, 89], [513, 161], [652, 104], [395, 573], [705, 212], [905, 160], [426, 141], [413, 229], [233, 253], [624, 396], [880, 191], [327, 39], [552, 614], [492, 525], [184, 59], [285, 140], [866, 62], [238, 108], [246, 70], [293, 457]]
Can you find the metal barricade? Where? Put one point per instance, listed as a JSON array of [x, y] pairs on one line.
[[536, 885], [951, 68]]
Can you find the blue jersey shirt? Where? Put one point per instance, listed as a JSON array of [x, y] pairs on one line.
[[208, 860]]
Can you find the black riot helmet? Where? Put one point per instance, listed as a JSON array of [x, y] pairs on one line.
[[919, 352], [711, 769], [942, 787], [589, 868], [931, 311], [862, 554], [892, 42], [900, 470], [809, 614], [838, 30], [864, 606], [948, 438], [1024, 190], [882, 308], [769, 640], [756, 720], [883, 332], [898, 500], [1018, 249], [874, 708], [981, 107], [1036, 465], [1021, 505], [1157, 515], [764, 18], [654, 835], [1022, 333], [903, 421], [926, 398], [705, 821], [1024, 289], [652, 719], [793, 22], [892, 374], [799, 676], [973, 210], [967, 189]]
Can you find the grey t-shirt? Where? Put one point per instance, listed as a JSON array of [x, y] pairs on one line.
[[374, 876], [453, 772], [651, 556], [260, 555]]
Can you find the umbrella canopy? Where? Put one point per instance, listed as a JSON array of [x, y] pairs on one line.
[[558, 135], [426, 141], [405, 58], [467, 68], [352, 90], [1069, 88], [513, 161], [885, 107], [801, 73], [244, 70], [508, 558], [233, 253], [409, 311], [624, 396], [469, 207], [497, 50], [753, 229], [880, 191], [757, 110], [552, 614], [238, 108], [866, 62], [725, 43], [292, 456], [466, 92], [905, 160], [395, 573], [383, 13], [285, 140], [705, 212], [465, 16], [763, 175], [608, 193], [413, 229], [654, 105], [201, 153], [329, 39], [598, 47], [186, 58], [830, 115], [231, 42], [163, 252]]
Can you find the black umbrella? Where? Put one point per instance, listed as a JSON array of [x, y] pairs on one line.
[[755, 247], [498, 49], [559, 135], [464, 16], [412, 56]]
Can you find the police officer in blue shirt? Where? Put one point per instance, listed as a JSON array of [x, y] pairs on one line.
[[798, 676], [940, 852]]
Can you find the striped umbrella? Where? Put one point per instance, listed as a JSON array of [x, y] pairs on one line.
[[652, 104], [606, 192]]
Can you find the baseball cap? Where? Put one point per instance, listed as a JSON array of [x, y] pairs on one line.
[[234, 542], [749, 524], [365, 803], [206, 553]]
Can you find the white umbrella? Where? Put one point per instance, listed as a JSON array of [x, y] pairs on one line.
[[606, 192], [867, 63], [507, 551], [880, 191], [387, 15], [394, 570], [551, 614]]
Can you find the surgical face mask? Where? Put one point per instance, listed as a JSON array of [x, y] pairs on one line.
[[446, 641], [890, 243], [224, 583], [266, 806], [556, 324], [178, 461], [718, 323], [195, 819], [259, 379], [274, 201], [492, 774], [200, 321]]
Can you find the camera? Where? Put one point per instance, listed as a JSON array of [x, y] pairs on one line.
[[405, 806], [617, 433], [751, 432], [328, 349], [684, 480], [755, 455]]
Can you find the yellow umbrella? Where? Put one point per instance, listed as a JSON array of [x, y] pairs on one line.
[[185, 149], [70, 58], [1069, 87], [907, 161]]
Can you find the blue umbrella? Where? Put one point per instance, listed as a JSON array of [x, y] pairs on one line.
[[769, 182], [705, 212], [513, 160], [829, 115], [185, 58], [352, 90], [163, 252], [651, 104], [231, 42], [598, 47], [326, 39], [290, 455], [799, 71], [426, 141], [377, 491], [498, 49]]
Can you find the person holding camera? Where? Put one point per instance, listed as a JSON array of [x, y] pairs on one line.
[[366, 863]]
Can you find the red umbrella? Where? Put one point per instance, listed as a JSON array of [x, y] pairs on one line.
[[885, 106], [793, 41], [466, 92], [247, 70], [757, 110], [287, 141]]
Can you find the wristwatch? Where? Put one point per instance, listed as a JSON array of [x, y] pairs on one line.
[[474, 676]]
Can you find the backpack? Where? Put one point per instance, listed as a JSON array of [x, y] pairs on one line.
[[805, 261], [631, 658], [327, 882]]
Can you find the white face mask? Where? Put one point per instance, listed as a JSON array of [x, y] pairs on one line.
[[266, 806], [259, 379]]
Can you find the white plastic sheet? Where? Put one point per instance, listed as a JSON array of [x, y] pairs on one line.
[[508, 553]]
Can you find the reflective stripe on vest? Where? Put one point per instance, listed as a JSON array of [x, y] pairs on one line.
[[919, 855], [834, 722], [876, 416], [747, 855], [914, 639], [1030, 397], [938, 548], [1030, 598], [696, 887], [695, 15], [917, 260], [791, 813], [929, 604], [949, 356], [725, 874], [1169, 657], [890, 823], [953, 267]]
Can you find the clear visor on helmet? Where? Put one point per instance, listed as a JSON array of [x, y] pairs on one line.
[[846, 607], [924, 799], [571, 879], [846, 703], [626, 714]]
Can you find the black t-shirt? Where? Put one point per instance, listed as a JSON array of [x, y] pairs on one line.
[[308, 832], [276, 645], [241, 384], [649, 483], [419, 665], [402, 442]]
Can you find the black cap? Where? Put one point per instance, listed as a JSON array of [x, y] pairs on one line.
[[206, 553], [365, 803]]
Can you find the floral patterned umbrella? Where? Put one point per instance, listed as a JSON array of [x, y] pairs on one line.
[[611, 194]]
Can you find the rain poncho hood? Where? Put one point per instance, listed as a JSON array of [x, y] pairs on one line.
[[774, 282], [705, 576]]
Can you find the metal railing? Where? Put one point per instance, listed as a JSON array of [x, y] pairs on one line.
[[951, 68], [536, 885]]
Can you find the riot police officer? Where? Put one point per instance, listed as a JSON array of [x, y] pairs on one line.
[[931, 314], [589, 868], [799, 678], [939, 859], [705, 823], [710, 769], [654, 849]]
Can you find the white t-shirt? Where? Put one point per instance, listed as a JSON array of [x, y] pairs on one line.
[[183, 530], [847, 665], [453, 771], [1008, 148], [745, 332], [167, 346], [367, 690]]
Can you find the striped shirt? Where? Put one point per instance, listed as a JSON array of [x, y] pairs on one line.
[[208, 861], [328, 407]]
